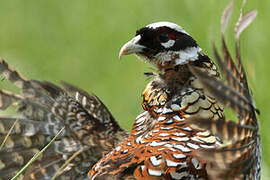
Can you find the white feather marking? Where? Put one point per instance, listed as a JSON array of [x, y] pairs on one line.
[[170, 163], [77, 96], [179, 134], [180, 139], [182, 148], [161, 118], [177, 118], [140, 120], [158, 110], [163, 134], [139, 128], [154, 172], [184, 56], [166, 110], [194, 146], [168, 44], [118, 148], [196, 163], [84, 101], [187, 129], [155, 161], [142, 114], [170, 121], [142, 167], [167, 24], [155, 144], [196, 139], [206, 146], [179, 156], [168, 145], [139, 139], [161, 149], [204, 133], [187, 55], [166, 128]]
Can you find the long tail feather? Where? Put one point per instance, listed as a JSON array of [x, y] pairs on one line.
[[240, 155], [226, 15], [242, 23]]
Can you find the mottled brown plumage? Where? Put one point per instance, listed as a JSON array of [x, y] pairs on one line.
[[42, 110], [182, 132], [161, 143]]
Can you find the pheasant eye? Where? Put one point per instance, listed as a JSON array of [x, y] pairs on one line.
[[163, 37]]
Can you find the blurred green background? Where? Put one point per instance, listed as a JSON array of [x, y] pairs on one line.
[[78, 42]]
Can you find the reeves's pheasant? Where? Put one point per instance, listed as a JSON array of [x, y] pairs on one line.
[[182, 132]]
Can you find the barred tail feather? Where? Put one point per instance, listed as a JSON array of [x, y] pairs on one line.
[[94, 106], [227, 130], [29, 89], [239, 157], [43, 109], [230, 162], [13, 75]]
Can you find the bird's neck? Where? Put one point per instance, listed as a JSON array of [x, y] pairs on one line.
[[174, 75], [167, 82], [172, 79]]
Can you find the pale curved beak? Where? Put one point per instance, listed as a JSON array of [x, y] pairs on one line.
[[131, 47]]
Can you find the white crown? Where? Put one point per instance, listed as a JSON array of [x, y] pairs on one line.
[[167, 24]]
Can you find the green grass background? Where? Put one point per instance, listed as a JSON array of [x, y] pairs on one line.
[[78, 42]]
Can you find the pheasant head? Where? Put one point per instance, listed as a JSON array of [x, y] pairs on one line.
[[163, 44]]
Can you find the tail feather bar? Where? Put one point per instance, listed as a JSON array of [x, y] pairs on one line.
[[239, 156]]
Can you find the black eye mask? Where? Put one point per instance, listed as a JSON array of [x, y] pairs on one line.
[[152, 39]]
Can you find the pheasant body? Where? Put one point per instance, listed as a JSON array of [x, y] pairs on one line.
[[162, 143], [182, 132]]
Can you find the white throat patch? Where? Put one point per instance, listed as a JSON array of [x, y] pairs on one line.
[[187, 55], [184, 56]]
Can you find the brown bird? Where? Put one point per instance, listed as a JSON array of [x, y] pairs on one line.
[[182, 132]]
